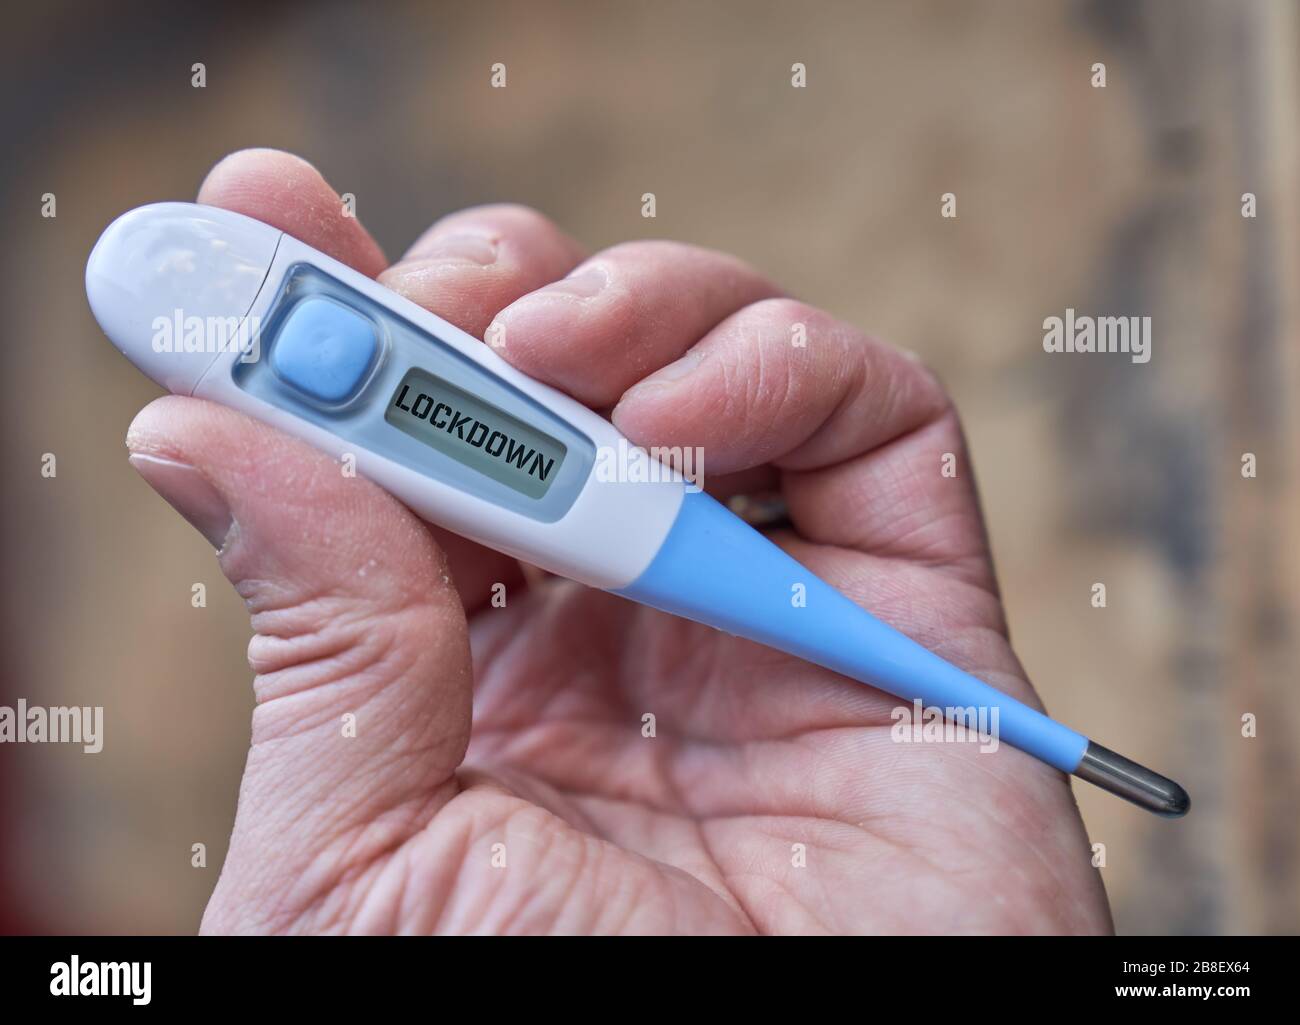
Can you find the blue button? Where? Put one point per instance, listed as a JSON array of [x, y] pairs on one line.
[[324, 349]]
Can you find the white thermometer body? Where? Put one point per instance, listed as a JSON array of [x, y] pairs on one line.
[[467, 442], [216, 305]]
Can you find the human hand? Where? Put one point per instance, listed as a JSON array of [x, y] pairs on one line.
[[360, 608]]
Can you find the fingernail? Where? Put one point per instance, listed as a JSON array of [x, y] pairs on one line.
[[480, 249], [189, 493], [672, 373], [583, 285]]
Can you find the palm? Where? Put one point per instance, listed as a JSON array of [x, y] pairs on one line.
[[755, 752]]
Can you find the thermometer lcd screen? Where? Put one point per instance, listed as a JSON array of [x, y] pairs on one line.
[[470, 431]]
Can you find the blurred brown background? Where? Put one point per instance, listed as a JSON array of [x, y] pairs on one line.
[[1122, 200]]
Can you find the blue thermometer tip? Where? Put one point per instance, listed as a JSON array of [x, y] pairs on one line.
[[715, 569]]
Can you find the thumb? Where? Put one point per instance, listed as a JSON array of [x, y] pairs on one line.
[[360, 649]]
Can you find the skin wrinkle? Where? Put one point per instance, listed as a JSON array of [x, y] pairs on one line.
[[507, 654], [694, 828], [289, 632], [891, 489], [684, 734], [320, 696], [849, 384], [691, 809], [897, 607], [397, 755], [364, 630], [465, 838], [1051, 869], [306, 810], [372, 904], [284, 657], [926, 548], [943, 874], [771, 883], [553, 781], [854, 394], [672, 749], [358, 854], [400, 866], [543, 792], [680, 799], [533, 835], [366, 681]]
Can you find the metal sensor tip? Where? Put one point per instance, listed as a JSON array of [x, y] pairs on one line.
[[1104, 768]]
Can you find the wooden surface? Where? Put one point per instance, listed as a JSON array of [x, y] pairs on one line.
[[1122, 200]]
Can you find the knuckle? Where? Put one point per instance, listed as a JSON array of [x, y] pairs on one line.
[[644, 250], [773, 320], [684, 264], [515, 218], [631, 251], [931, 392]]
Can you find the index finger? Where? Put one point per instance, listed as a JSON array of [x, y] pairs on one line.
[[859, 430], [286, 192]]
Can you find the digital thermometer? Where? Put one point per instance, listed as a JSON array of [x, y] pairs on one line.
[[216, 305]]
